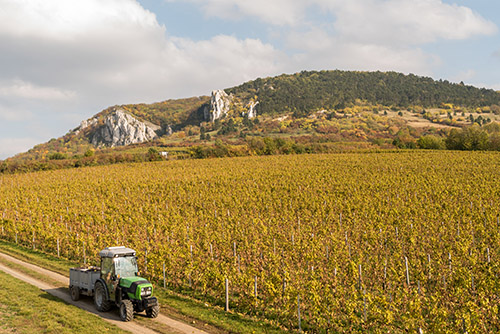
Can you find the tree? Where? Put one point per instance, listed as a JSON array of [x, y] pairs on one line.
[[57, 156], [431, 142], [474, 138], [454, 140], [153, 154]]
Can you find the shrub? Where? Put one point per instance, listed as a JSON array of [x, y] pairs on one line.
[[431, 142]]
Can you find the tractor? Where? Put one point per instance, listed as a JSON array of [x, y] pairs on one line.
[[116, 282]]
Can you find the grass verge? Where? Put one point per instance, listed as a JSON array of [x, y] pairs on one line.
[[35, 311], [29, 272], [44, 260]]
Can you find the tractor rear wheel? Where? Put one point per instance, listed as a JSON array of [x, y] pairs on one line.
[[153, 311], [74, 292], [101, 301], [126, 310]]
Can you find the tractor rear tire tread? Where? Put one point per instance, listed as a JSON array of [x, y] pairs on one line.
[[101, 301]]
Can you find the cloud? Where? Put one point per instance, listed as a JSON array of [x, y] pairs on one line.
[[26, 90], [226, 60], [465, 75], [369, 57], [372, 21], [276, 12], [357, 34], [406, 22], [14, 114], [113, 49], [12, 146], [69, 20], [71, 57]]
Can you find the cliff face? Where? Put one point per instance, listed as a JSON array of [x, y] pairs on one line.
[[118, 129], [252, 113], [219, 106]]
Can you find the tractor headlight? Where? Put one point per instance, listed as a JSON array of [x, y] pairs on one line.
[[146, 292]]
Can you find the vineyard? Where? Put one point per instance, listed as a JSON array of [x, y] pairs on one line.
[[378, 242]]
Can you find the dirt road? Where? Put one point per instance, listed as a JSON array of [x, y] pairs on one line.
[[168, 325]]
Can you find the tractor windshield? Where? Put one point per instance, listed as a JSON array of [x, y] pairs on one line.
[[125, 266]]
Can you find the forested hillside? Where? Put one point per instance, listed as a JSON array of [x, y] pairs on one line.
[[306, 91]]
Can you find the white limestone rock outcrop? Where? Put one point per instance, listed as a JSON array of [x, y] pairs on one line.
[[219, 106], [251, 113], [120, 129]]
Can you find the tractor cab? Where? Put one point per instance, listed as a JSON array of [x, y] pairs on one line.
[[117, 263], [120, 284]]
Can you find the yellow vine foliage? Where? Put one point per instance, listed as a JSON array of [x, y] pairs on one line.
[[333, 230]]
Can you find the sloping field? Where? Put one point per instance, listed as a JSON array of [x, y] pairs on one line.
[[356, 242], [26, 309]]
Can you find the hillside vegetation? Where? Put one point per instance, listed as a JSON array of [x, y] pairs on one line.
[[306, 112], [305, 92]]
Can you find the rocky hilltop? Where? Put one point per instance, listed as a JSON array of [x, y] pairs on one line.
[[118, 129]]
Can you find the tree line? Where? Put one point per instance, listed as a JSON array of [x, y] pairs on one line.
[[472, 138], [305, 92]]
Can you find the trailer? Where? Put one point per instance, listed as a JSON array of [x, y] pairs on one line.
[[82, 281]]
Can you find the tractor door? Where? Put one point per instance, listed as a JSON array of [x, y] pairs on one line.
[[108, 275]]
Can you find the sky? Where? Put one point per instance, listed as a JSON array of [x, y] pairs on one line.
[[63, 61]]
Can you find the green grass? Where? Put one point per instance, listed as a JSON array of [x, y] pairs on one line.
[[27, 309], [29, 272], [53, 263], [175, 305]]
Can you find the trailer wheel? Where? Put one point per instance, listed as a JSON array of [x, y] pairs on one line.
[[101, 301], [74, 292], [126, 310], [153, 311]]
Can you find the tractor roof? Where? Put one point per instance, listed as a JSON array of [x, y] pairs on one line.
[[116, 251]]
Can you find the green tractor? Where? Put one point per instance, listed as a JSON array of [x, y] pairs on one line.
[[116, 282]]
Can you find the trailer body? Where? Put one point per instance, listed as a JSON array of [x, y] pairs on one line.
[[84, 280]]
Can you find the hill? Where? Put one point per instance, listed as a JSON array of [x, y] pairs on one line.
[[306, 91], [306, 111]]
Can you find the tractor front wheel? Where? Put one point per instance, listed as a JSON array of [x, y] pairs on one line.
[[126, 310], [101, 301], [153, 311]]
